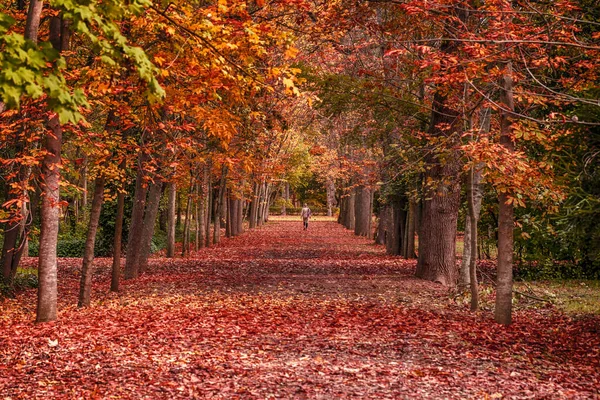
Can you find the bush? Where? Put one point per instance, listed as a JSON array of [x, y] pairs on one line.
[[24, 279]]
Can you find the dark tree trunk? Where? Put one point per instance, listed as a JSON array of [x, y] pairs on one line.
[[116, 265], [185, 248], [220, 200], [409, 251], [349, 216], [134, 239], [209, 210], [228, 215], [150, 215], [240, 218], [87, 269], [362, 211], [171, 209], [437, 239]]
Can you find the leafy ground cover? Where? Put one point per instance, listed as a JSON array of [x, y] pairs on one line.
[[284, 313]]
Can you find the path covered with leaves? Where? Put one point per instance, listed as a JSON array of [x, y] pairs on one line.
[[283, 313]]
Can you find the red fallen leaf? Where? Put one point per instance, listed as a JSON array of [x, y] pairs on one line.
[[279, 312]]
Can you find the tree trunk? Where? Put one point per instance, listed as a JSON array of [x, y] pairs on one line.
[[228, 215], [503, 309], [50, 213], [219, 206], [209, 210], [254, 207], [87, 269], [116, 265], [185, 248], [134, 239], [362, 209], [240, 218], [437, 239], [330, 187], [473, 216], [150, 215], [409, 252], [350, 210], [171, 210]]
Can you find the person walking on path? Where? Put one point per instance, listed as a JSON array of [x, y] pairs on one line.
[[305, 214]]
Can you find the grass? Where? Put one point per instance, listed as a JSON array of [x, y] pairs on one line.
[[571, 296]]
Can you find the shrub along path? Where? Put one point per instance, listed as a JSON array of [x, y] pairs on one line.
[[283, 313]]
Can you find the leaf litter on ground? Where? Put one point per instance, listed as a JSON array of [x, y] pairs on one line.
[[283, 313]]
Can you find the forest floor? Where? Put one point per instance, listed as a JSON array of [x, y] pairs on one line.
[[285, 313]]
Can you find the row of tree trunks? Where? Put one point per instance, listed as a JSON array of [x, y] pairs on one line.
[[397, 227], [347, 213]]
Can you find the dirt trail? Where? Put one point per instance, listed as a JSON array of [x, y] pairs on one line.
[[284, 313]]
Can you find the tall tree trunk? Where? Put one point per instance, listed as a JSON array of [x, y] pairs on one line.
[[503, 309], [409, 251], [150, 215], [197, 216], [285, 197], [50, 212], [240, 218], [473, 216], [437, 239], [134, 239], [254, 206], [201, 211], [209, 210], [87, 269], [330, 188], [228, 216], [116, 265], [171, 210], [220, 200], [362, 209], [350, 211], [185, 248]]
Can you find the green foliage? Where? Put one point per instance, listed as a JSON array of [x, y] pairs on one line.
[[36, 69], [24, 279]]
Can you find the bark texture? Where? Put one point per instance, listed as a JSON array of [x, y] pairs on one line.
[[504, 287], [87, 269]]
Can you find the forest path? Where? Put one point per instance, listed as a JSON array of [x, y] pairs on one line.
[[284, 313]]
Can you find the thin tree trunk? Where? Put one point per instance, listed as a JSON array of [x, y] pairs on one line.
[[171, 210], [186, 224], [87, 269], [209, 210], [240, 218], [134, 239], [409, 249], [197, 217], [228, 216], [330, 187], [503, 309], [116, 265], [254, 206], [149, 225], [473, 239]]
